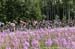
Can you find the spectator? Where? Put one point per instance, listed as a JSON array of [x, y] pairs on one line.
[[22, 24], [12, 25], [1, 26]]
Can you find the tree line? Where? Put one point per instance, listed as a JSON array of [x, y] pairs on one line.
[[36, 9]]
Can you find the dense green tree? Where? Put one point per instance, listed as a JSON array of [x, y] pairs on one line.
[[36, 9]]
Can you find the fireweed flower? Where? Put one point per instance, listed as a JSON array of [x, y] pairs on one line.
[[8, 48], [35, 43], [66, 34], [73, 44], [15, 47], [35, 48], [63, 41], [26, 44], [40, 37], [69, 38], [56, 41], [25, 47], [15, 43], [27, 37], [0, 43], [69, 46], [48, 42]]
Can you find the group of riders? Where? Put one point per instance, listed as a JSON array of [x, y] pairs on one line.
[[13, 26]]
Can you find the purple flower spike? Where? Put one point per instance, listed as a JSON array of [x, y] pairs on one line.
[[68, 46], [26, 44], [8, 48], [35, 43], [56, 41], [25, 48], [64, 42], [73, 44], [35, 48], [48, 42]]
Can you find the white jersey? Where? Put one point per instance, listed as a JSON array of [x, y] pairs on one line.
[[12, 24]]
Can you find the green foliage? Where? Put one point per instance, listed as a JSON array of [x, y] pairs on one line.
[[19, 9], [35, 9]]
